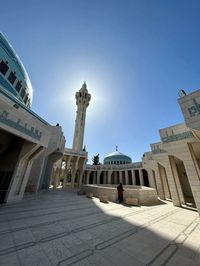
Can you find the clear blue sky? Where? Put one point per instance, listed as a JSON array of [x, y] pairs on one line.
[[134, 55]]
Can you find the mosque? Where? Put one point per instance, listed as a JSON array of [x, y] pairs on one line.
[[33, 155], [172, 167], [29, 145]]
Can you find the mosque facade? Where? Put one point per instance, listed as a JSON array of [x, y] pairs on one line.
[[29, 145], [172, 167], [117, 167]]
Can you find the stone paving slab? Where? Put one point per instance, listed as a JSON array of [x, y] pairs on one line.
[[62, 228]]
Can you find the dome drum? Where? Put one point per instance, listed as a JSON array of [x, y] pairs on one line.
[[13, 76]]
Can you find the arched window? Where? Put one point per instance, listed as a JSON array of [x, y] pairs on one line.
[[12, 77], [18, 86], [3, 67], [22, 93]]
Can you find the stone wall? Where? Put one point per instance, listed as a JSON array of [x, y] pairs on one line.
[[145, 195]]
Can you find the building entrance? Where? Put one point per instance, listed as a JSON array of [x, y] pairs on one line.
[[10, 147]]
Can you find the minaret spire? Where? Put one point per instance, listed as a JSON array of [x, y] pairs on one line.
[[82, 101]]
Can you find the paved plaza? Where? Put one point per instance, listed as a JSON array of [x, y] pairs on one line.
[[61, 228]]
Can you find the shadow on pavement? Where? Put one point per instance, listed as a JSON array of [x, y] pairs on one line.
[[62, 228]]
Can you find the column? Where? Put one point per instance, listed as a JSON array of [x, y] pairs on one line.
[[115, 177], [87, 177], [176, 180], [56, 180], [22, 173], [193, 174], [141, 177], [80, 179], [164, 181], [56, 177], [84, 177], [120, 177], [126, 177], [133, 177], [109, 177], [98, 176], [74, 169], [81, 170], [67, 161], [151, 178], [160, 190]]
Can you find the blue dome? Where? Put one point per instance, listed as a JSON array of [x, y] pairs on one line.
[[13, 76], [117, 157]]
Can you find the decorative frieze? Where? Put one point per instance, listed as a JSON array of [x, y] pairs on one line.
[[177, 137], [18, 125]]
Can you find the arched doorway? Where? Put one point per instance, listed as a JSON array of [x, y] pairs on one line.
[[101, 177], [184, 183], [10, 147], [145, 178], [137, 177]]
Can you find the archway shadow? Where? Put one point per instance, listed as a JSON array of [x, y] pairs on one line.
[[60, 227]]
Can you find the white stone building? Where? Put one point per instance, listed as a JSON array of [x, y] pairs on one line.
[[174, 162], [29, 145], [172, 166], [116, 168]]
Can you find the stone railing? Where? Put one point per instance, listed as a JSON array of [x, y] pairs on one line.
[[73, 153]]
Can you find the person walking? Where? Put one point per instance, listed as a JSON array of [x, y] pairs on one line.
[[120, 192]]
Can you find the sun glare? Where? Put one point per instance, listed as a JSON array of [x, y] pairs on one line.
[[99, 95]]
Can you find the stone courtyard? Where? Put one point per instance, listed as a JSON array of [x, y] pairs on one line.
[[60, 227]]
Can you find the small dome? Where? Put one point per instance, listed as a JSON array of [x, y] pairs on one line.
[[13, 76], [117, 157]]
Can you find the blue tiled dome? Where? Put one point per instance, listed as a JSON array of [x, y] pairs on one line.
[[13, 76], [117, 157]]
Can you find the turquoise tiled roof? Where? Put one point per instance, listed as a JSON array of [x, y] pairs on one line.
[[8, 55], [117, 157]]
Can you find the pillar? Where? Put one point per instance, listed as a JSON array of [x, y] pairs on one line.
[[151, 178], [193, 173], [74, 169], [67, 161], [109, 177], [141, 177], [126, 177], [176, 181], [120, 177], [87, 176], [56, 180], [165, 183], [81, 170], [98, 176], [160, 190], [133, 177]]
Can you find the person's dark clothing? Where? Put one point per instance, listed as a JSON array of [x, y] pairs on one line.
[[120, 193]]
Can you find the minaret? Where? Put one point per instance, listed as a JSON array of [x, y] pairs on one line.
[[82, 102]]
